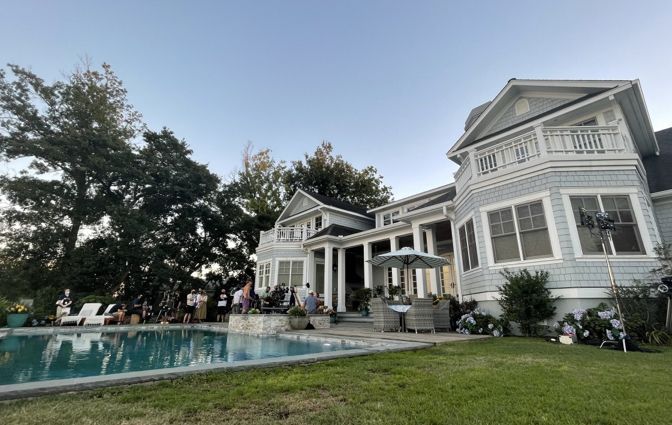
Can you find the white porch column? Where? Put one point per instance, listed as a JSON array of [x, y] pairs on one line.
[[394, 246], [341, 279], [434, 274], [368, 268], [328, 275], [310, 269], [419, 273], [457, 259]]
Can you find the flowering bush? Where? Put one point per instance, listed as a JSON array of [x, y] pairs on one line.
[[598, 323], [479, 323], [18, 308], [326, 310]]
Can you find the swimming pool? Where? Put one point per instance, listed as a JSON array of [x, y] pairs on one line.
[[30, 358]]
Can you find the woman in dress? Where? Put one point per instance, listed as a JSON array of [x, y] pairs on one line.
[[247, 296], [202, 308]]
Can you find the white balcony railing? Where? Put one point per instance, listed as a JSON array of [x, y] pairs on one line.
[[286, 234], [584, 140]]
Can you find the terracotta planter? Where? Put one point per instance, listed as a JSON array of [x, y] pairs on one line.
[[298, 323], [16, 320]]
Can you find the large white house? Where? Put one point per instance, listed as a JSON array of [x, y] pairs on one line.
[[528, 160]]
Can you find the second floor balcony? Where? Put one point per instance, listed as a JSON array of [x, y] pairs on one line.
[[542, 142], [291, 234]]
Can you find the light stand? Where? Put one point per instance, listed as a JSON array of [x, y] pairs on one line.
[[604, 226]]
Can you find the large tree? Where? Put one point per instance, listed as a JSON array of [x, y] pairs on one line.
[[75, 133], [94, 207], [331, 175]]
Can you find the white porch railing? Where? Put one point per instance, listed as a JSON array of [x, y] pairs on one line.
[[584, 140], [286, 234]]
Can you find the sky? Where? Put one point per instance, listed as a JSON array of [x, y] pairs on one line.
[[388, 83]]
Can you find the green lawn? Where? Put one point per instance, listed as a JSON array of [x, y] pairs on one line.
[[494, 381]]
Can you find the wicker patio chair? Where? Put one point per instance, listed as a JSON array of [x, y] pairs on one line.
[[442, 315], [384, 318], [420, 317]]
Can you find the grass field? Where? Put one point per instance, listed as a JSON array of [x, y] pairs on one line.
[[494, 381]]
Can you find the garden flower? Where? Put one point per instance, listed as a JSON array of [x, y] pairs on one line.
[[585, 334], [496, 333], [480, 330], [610, 335], [578, 313], [490, 326], [615, 323], [568, 329], [608, 314]]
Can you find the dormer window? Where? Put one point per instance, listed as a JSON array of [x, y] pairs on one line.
[[522, 106], [391, 217], [318, 223]]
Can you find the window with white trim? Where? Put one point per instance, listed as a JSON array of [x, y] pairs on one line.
[[390, 218], [520, 233], [468, 246], [264, 274], [625, 240], [318, 223], [290, 272]]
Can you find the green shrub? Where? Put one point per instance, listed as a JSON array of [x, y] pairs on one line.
[[4, 304], [362, 297], [480, 323], [296, 311], [526, 300]]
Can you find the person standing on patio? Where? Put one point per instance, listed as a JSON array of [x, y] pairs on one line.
[[221, 306], [189, 309], [247, 296], [235, 305], [202, 309]]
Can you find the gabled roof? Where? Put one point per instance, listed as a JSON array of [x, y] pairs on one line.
[[482, 117], [335, 230], [310, 201], [659, 168], [337, 203], [448, 196]]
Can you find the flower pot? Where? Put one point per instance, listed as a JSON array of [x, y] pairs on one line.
[[298, 323], [16, 320]]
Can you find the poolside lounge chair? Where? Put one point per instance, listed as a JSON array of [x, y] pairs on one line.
[[442, 315], [384, 319], [88, 309], [99, 319], [420, 317]]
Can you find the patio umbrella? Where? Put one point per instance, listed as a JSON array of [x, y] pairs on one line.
[[408, 258]]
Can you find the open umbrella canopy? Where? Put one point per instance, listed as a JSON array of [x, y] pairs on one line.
[[408, 258]]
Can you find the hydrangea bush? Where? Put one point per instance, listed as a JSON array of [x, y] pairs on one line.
[[598, 323], [478, 322]]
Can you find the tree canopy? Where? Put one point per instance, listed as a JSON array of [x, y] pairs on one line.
[[102, 201]]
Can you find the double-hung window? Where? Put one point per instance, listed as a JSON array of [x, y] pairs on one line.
[[290, 272], [520, 233], [468, 246], [264, 274], [625, 240]]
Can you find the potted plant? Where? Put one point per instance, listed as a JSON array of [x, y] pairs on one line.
[[298, 319], [330, 311], [393, 292], [362, 297], [17, 314]]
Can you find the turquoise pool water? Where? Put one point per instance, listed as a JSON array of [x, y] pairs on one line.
[[46, 357]]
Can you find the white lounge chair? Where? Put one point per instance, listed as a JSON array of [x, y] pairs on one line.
[[99, 319], [88, 309]]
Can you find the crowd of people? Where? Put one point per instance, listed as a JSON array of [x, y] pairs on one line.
[[195, 307]]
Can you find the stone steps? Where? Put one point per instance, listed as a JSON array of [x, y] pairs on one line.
[[354, 317]]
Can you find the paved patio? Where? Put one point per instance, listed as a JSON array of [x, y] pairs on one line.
[[365, 331]]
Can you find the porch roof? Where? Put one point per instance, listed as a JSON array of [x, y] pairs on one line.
[[335, 230]]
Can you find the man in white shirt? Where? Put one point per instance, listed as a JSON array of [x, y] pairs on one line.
[[235, 307]]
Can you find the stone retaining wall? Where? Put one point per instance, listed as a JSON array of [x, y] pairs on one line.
[[258, 324]]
